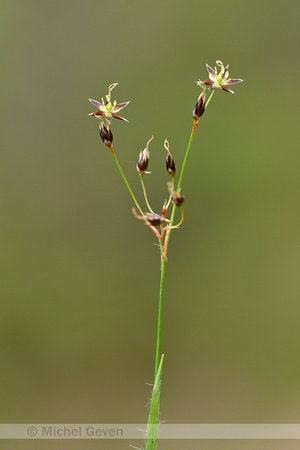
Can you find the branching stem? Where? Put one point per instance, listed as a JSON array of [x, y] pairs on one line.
[[125, 180]]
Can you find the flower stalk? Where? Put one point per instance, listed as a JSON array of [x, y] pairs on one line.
[[125, 180], [158, 223]]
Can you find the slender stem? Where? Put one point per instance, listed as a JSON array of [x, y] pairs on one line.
[[178, 187], [126, 182], [145, 193], [151, 442], [132, 195], [186, 154], [170, 198], [161, 246], [160, 306], [190, 143], [179, 223], [181, 175], [210, 97]]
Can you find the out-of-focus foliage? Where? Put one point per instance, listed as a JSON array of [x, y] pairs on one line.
[[80, 275]]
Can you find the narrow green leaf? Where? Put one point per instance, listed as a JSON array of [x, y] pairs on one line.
[[154, 409]]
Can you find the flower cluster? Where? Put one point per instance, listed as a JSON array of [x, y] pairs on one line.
[[219, 80], [108, 109]]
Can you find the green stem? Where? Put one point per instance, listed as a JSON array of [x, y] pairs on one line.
[[185, 157], [181, 220], [178, 187], [170, 198], [181, 175], [190, 143], [126, 182], [154, 410], [210, 97], [145, 193], [160, 306], [151, 440]]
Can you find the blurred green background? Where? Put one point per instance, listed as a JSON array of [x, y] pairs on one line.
[[80, 275]]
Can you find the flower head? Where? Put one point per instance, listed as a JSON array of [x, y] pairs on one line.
[[200, 105], [176, 197], [170, 164], [105, 134], [151, 218], [143, 160], [155, 219], [107, 108], [219, 80]]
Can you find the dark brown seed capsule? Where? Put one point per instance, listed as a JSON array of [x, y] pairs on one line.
[[199, 107], [177, 198], [155, 219], [143, 160], [170, 164], [105, 134]]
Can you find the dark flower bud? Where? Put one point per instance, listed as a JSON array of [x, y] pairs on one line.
[[177, 198], [143, 160], [164, 209], [170, 164], [155, 219], [199, 107], [105, 134]]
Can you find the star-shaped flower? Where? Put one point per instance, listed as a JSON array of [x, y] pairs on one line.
[[107, 108], [221, 79]]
